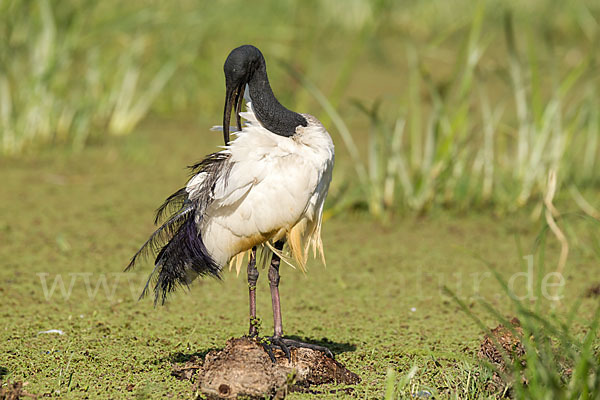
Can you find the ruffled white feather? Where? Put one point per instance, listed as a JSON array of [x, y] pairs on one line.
[[275, 189]]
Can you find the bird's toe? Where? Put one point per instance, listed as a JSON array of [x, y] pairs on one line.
[[279, 342], [268, 348], [286, 344], [272, 342], [297, 344]]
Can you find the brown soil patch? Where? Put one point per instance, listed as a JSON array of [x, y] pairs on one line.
[[593, 291], [243, 369], [502, 347], [14, 391]]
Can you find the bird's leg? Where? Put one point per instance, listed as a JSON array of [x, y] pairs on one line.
[[277, 322], [252, 279], [277, 339], [274, 285]]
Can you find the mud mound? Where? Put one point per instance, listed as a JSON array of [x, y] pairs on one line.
[[14, 391], [593, 291], [243, 369], [501, 347], [506, 338]]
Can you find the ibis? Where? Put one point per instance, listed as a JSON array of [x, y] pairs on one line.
[[264, 190]]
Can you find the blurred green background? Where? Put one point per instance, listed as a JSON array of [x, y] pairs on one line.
[[455, 103], [450, 119]]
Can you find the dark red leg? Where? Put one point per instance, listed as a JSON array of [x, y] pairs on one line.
[[274, 285], [252, 279], [277, 339]]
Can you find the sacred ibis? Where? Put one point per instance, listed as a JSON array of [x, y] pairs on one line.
[[265, 189]]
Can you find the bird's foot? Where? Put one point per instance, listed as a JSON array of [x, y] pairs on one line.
[[285, 344], [255, 324]]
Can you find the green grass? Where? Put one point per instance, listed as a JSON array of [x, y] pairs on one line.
[[481, 137], [560, 358], [448, 119], [86, 213], [465, 104]]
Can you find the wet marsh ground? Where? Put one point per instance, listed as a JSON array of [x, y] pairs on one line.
[[75, 219]]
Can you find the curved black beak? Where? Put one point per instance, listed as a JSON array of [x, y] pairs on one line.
[[233, 95]]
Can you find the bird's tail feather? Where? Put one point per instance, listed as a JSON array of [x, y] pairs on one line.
[[182, 258]]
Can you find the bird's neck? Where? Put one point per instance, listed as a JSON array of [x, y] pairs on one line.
[[271, 114]]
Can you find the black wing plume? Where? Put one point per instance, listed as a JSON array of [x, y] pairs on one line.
[[180, 252]]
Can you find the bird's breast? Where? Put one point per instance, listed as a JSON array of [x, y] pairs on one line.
[[268, 189]]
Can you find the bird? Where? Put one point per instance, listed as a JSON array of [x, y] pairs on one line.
[[265, 189]]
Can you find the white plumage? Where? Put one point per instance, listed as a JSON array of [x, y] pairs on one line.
[[275, 189]]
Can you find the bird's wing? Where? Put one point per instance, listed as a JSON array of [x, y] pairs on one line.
[[271, 184], [266, 190], [209, 174], [180, 252]]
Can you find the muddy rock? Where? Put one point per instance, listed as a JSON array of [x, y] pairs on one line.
[[14, 391], [510, 341], [502, 345], [593, 291], [188, 370], [243, 369]]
